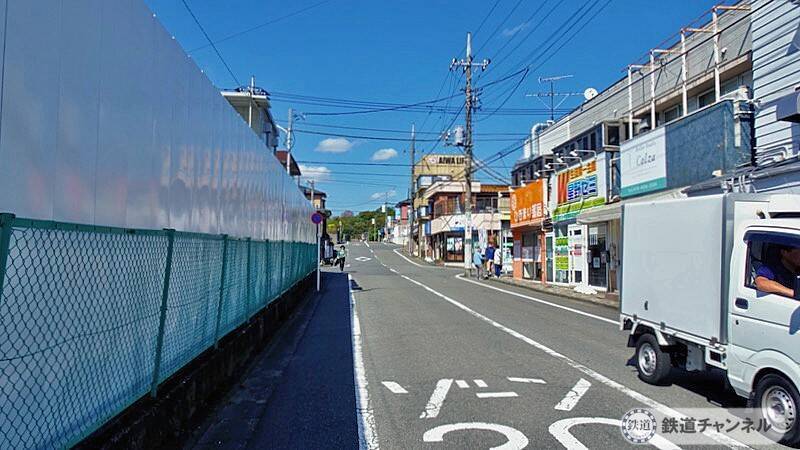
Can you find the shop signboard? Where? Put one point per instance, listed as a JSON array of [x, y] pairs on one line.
[[643, 163], [562, 253], [527, 204], [580, 187]]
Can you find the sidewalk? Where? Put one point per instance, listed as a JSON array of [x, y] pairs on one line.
[[300, 392], [561, 291]]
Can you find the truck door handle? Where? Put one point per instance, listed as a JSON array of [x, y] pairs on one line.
[[742, 303]]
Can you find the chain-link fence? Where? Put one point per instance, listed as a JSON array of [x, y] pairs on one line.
[[93, 318]]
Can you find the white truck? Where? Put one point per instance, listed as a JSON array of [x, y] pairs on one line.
[[695, 294]]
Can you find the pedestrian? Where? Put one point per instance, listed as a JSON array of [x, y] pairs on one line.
[[490, 251], [341, 255], [498, 262], [477, 261]]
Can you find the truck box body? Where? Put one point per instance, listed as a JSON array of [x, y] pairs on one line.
[[676, 261]]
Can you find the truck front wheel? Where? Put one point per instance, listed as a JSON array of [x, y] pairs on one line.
[[652, 362], [776, 401]]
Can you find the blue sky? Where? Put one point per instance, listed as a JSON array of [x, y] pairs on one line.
[[398, 52]]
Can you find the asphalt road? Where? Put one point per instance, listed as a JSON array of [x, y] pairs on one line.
[[396, 354]]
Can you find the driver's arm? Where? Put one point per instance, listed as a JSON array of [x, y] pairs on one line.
[[764, 284]]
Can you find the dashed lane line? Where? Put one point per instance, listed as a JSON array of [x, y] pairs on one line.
[[394, 387], [573, 396], [660, 407], [437, 399]]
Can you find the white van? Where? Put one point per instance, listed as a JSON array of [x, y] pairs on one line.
[[695, 279]]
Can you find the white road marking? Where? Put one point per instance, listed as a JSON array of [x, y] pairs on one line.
[[496, 394], [538, 300], [573, 396], [660, 407], [462, 384], [397, 251], [480, 383], [363, 258], [527, 380], [367, 435], [394, 387], [516, 440], [437, 399], [560, 431]]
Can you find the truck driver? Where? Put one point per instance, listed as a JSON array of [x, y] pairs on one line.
[[777, 276]]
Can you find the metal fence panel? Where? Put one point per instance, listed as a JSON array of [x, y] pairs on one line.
[[78, 322]]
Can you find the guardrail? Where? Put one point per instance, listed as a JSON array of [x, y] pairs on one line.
[[93, 318]]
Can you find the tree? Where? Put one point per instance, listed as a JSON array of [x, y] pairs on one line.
[[355, 226]]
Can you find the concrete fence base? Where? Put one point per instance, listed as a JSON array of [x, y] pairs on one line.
[[185, 398]]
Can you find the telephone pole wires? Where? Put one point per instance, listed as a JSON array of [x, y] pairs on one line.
[[466, 65]]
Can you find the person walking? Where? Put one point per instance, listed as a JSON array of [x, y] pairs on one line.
[[341, 255], [498, 262], [477, 261], [490, 251]]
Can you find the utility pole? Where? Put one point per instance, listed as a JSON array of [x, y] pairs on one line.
[[553, 94], [467, 64], [289, 143], [412, 194]]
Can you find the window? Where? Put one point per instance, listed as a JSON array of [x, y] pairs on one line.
[[773, 262], [592, 141], [673, 113], [612, 135], [706, 98]]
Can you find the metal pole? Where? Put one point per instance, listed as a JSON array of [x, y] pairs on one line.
[[250, 103], [652, 91], [289, 143], [715, 20], [630, 103], [6, 227], [221, 288], [685, 75], [249, 278], [163, 316], [468, 161], [319, 239], [412, 194]]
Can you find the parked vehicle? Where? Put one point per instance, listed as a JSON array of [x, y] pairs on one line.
[[689, 297]]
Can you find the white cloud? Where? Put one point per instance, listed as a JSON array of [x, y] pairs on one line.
[[508, 32], [384, 154], [334, 145], [391, 193], [316, 173]]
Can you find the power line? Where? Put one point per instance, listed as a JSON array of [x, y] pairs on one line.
[[388, 138], [486, 17], [262, 25], [211, 43], [497, 28], [389, 130]]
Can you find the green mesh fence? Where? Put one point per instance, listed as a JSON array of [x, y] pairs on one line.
[[93, 318]]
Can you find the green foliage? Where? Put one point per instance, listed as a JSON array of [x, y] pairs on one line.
[[360, 223]]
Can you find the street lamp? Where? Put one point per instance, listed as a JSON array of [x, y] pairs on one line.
[[575, 153]]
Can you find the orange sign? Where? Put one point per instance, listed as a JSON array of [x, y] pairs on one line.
[[527, 204]]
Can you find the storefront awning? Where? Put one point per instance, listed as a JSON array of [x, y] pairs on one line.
[[613, 211]]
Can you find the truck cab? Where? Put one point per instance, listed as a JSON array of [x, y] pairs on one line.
[[734, 266]]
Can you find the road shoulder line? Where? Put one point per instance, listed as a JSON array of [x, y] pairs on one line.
[[660, 407], [538, 300], [367, 435]]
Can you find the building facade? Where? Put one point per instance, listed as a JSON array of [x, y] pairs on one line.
[[682, 116]]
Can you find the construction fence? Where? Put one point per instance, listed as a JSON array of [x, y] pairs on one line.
[[93, 318]]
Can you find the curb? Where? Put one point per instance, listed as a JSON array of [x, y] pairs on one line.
[[565, 293]]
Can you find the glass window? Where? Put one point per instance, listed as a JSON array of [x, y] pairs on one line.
[[612, 135], [773, 262], [673, 113], [706, 99]]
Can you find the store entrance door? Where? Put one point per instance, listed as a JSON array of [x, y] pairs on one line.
[[598, 256], [577, 253]]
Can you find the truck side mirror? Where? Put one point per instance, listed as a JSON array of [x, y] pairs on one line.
[[797, 287]]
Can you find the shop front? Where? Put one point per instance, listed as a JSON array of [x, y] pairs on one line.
[[580, 252], [527, 217]]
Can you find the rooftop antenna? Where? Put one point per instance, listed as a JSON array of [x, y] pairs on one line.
[[553, 94]]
